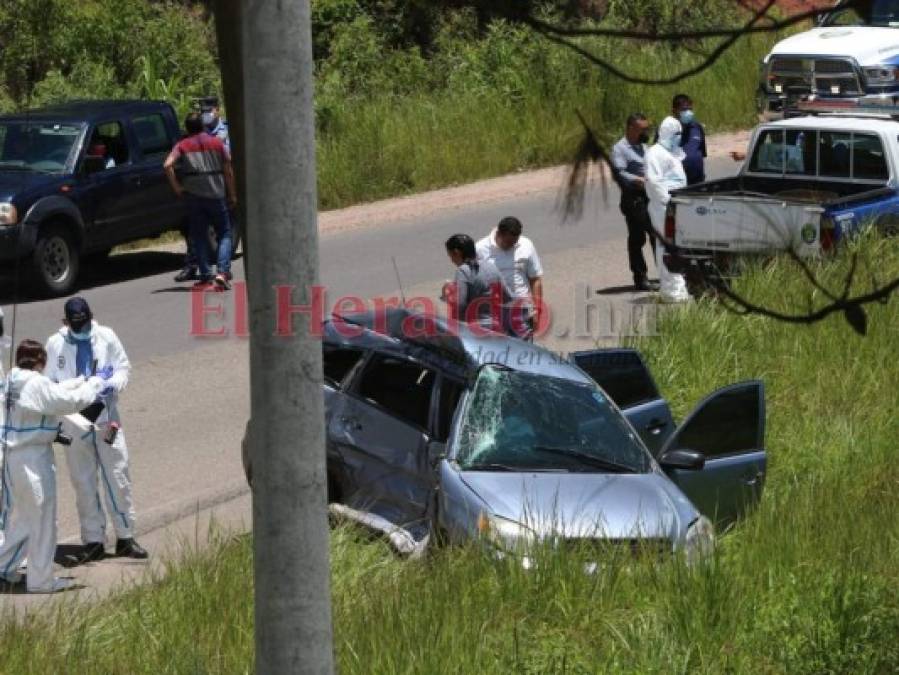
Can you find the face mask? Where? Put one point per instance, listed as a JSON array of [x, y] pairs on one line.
[[208, 118], [686, 116], [643, 138], [80, 335]]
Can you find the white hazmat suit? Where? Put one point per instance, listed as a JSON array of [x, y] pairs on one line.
[[665, 172], [90, 458], [28, 513]]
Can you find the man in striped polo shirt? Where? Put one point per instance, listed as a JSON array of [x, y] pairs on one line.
[[204, 178]]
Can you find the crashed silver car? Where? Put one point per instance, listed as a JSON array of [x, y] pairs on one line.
[[459, 436]]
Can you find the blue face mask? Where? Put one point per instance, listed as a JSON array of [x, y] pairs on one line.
[[686, 116], [81, 335]]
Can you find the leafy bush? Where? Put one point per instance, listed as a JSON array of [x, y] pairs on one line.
[[55, 50]]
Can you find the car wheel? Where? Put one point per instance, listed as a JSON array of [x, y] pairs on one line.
[[56, 260]]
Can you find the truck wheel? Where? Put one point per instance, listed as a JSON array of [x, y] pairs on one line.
[[56, 260], [888, 228]]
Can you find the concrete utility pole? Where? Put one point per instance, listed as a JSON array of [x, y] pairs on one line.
[[286, 435]]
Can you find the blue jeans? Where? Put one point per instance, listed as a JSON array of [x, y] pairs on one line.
[[201, 213]]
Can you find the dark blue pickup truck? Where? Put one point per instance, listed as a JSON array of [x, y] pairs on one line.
[[78, 179]]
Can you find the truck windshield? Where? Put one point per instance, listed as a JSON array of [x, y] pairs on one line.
[[884, 13], [523, 421], [33, 146]]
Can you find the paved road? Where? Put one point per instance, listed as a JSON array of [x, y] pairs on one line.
[[185, 409]]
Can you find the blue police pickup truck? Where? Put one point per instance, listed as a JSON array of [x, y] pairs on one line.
[[76, 180]]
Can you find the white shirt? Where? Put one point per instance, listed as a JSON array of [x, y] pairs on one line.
[[518, 266]]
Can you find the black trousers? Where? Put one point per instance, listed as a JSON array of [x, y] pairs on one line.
[[636, 214]]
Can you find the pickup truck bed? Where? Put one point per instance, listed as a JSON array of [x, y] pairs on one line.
[[752, 214]]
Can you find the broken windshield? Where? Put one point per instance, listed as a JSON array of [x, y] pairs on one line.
[[527, 421]]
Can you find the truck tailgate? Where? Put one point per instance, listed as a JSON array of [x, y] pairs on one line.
[[746, 223]]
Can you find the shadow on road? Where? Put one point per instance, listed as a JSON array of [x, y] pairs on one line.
[[115, 269], [615, 290]]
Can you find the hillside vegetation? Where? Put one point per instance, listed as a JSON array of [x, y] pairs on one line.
[[410, 95]]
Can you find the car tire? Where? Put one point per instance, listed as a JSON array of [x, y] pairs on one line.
[[56, 260], [888, 227]]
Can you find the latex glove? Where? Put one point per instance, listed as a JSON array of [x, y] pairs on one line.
[[105, 373], [106, 392]]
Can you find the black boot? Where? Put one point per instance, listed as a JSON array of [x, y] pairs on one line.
[[128, 548]]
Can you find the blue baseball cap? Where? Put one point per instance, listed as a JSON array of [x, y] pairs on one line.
[[78, 312]]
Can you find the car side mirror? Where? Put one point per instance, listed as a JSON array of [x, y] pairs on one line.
[[682, 459], [436, 452], [93, 163]]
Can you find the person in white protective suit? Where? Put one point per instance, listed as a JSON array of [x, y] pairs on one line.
[[664, 173], [31, 410], [96, 464]]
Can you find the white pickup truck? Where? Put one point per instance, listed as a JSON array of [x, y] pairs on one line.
[[806, 183], [852, 55]]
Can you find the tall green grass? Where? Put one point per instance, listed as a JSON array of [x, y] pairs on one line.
[[487, 113], [806, 584]]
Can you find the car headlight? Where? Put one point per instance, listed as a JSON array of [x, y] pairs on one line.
[[700, 540], [8, 214], [880, 75], [508, 535]]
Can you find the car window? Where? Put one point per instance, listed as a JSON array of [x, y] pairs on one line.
[[338, 361], [724, 425], [622, 375], [109, 138], [868, 160], [450, 392], [152, 137], [403, 388], [768, 155], [834, 154], [800, 152]]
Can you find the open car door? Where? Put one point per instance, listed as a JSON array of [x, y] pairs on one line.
[[626, 379], [728, 428]]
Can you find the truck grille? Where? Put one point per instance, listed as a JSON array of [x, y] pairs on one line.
[[824, 76]]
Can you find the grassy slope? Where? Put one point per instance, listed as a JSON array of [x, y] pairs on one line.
[[388, 146], [806, 585]]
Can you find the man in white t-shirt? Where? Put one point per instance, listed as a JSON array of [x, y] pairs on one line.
[[516, 259]]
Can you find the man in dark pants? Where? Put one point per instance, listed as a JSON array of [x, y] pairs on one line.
[[629, 169], [207, 179]]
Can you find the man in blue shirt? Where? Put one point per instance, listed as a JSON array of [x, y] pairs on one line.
[[692, 140], [629, 169]]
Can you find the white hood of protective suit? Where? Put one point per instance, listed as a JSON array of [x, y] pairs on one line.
[[868, 45], [670, 128]]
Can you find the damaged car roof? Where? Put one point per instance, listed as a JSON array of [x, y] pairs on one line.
[[455, 347]]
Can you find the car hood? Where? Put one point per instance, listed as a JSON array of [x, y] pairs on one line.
[[585, 505], [866, 44], [13, 183]]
